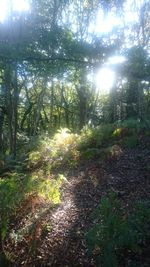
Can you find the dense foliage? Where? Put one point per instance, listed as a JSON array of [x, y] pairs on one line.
[[54, 117], [116, 233], [45, 62]]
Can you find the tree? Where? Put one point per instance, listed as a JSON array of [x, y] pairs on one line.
[[45, 58]]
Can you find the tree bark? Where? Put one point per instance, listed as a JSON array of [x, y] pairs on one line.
[[9, 106], [81, 91], [16, 96]]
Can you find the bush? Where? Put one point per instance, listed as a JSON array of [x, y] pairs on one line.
[[60, 150], [114, 231], [96, 137], [131, 141], [107, 153], [135, 125], [132, 124], [91, 153], [127, 133], [140, 220], [15, 189], [64, 147], [10, 196]]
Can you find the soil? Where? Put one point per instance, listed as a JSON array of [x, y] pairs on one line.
[[62, 242]]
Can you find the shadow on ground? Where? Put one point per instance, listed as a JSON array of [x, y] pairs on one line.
[[64, 244]]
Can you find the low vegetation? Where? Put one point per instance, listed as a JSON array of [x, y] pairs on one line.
[[116, 233], [74, 126], [39, 179]]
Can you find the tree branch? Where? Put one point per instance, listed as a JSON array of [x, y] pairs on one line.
[[47, 59]]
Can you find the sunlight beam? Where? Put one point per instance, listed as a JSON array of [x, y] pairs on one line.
[[105, 79], [17, 5], [20, 5]]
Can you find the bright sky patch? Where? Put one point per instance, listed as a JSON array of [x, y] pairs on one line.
[[105, 78], [7, 6]]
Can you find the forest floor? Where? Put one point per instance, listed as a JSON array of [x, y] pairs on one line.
[[63, 241]]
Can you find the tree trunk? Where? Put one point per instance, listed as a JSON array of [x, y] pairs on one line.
[[25, 116], [39, 108], [15, 107], [52, 105], [66, 108], [1, 130], [9, 106], [81, 91]]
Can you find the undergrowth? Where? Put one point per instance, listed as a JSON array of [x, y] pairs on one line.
[[15, 189], [116, 233], [44, 156], [66, 148], [54, 152]]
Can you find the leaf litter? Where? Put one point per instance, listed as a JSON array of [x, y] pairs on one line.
[[58, 237]]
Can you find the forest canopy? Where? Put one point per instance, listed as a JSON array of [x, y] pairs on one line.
[[74, 133], [51, 57]]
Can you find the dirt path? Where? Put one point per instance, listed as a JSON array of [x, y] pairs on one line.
[[64, 244]]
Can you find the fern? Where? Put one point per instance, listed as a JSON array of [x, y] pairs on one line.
[[114, 231]]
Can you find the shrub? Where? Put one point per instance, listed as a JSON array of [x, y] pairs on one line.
[[135, 125], [131, 141], [132, 124], [127, 133], [91, 153], [64, 147], [122, 132], [140, 220], [15, 189], [10, 195], [96, 137], [60, 150], [103, 153], [115, 231]]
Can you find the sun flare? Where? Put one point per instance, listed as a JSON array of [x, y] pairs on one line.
[[105, 78], [20, 5], [6, 6]]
